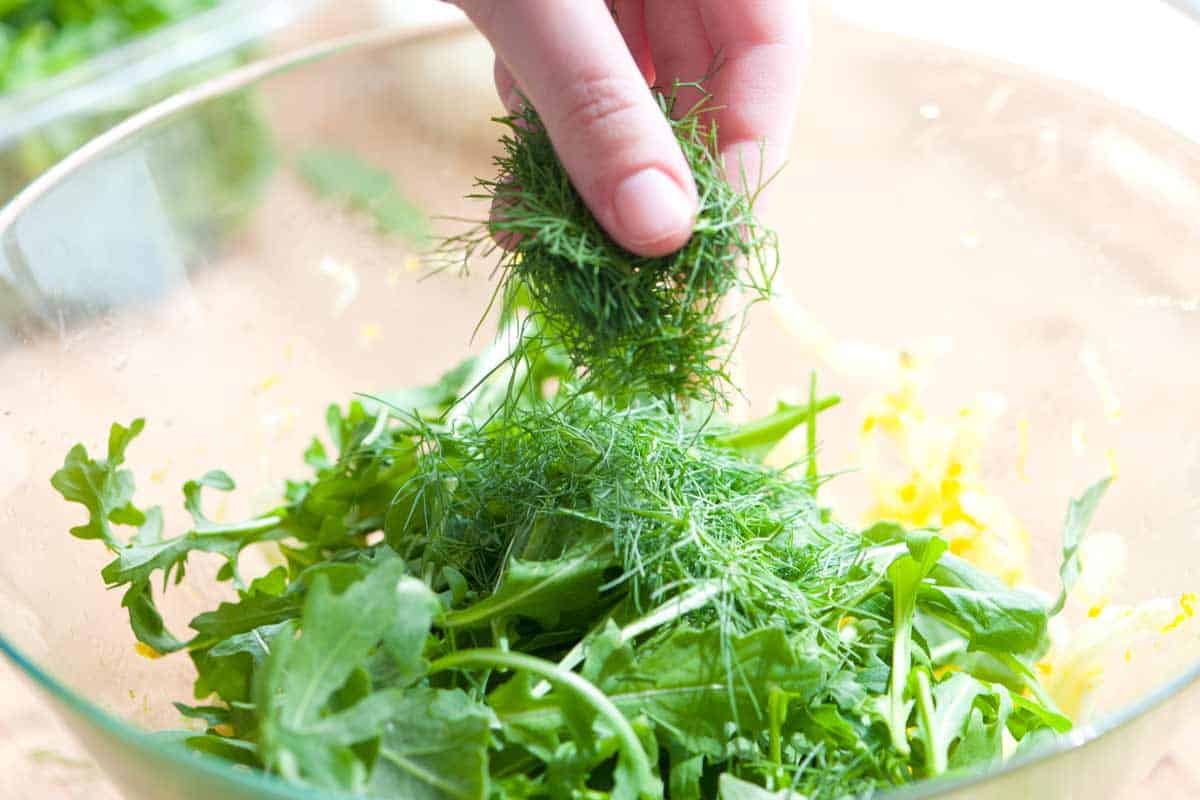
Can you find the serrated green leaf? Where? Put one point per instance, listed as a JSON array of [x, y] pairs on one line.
[[404, 639], [297, 687], [253, 642], [953, 700], [145, 620], [437, 750], [982, 742], [683, 684], [101, 486], [337, 634]]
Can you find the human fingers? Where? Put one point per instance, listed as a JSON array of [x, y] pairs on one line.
[[573, 65]]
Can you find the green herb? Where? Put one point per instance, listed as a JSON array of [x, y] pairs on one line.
[[653, 325]]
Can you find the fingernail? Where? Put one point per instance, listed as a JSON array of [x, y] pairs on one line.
[[651, 208]]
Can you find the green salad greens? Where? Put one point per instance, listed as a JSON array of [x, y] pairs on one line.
[[41, 38], [522, 583]]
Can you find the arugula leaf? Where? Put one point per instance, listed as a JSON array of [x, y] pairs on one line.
[[139, 560], [755, 439], [101, 486], [982, 740], [906, 574], [145, 621], [338, 632], [228, 677], [944, 713], [1079, 516], [1009, 620], [211, 715], [1036, 717], [253, 642], [251, 613], [228, 748], [404, 639], [581, 704], [686, 773], [546, 590], [684, 685], [437, 750], [301, 675]]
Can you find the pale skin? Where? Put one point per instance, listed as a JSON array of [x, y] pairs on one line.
[[585, 65]]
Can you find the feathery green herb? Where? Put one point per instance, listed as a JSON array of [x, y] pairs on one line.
[[634, 324]]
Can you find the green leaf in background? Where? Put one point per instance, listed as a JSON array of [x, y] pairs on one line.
[[40, 38], [346, 178], [1079, 516]]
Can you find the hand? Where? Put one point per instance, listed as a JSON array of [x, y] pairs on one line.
[[585, 66]]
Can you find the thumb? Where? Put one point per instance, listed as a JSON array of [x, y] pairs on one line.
[[570, 60]]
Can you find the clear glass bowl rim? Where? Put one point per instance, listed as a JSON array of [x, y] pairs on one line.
[[179, 755], [139, 63]]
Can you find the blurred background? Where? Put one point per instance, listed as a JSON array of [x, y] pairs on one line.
[[71, 69]]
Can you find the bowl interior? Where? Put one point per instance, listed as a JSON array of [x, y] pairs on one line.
[[1026, 239]]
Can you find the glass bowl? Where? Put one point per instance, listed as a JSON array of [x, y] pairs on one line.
[[1032, 240], [47, 120]]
